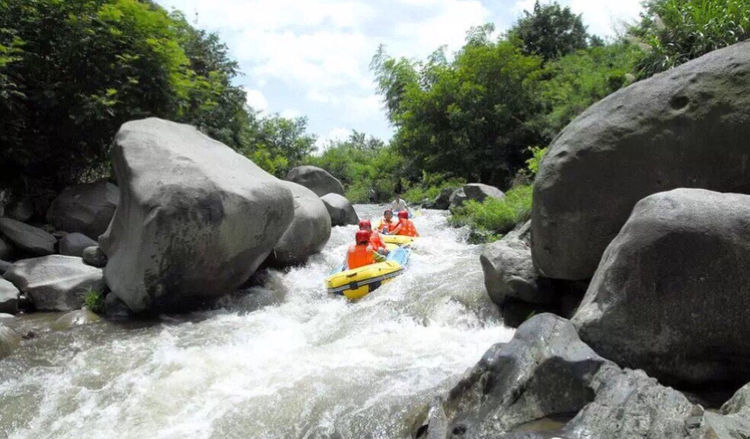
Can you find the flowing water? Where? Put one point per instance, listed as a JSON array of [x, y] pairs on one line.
[[282, 360]]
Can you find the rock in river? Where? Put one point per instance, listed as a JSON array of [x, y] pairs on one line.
[[316, 179], [686, 127], [340, 209], [55, 282], [672, 293], [29, 239], [85, 208], [195, 219], [308, 232]]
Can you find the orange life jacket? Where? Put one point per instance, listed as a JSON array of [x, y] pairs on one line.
[[406, 228], [375, 242], [384, 223], [359, 255]]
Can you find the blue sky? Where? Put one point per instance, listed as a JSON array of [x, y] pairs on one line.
[[311, 57]]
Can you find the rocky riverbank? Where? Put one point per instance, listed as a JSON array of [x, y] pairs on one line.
[[633, 205]]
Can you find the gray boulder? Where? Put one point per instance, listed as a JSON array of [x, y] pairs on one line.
[[85, 208], [115, 309], [672, 291], [55, 283], [474, 191], [316, 179], [94, 256], [308, 232], [27, 238], [509, 272], [73, 244], [6, 250], [195, 218], [340, 209], [687, 127], [8, 297], [443, 200], [545, 370]]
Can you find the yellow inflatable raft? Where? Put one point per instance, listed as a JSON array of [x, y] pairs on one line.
[[399, 240], [359, 282]]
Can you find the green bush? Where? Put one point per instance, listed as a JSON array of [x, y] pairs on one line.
[[677, 31], [93, 300], [496, 216]]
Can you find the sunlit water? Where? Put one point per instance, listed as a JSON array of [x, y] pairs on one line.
[[284, 360]]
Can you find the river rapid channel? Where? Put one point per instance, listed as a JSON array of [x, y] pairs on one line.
[[284, 360]]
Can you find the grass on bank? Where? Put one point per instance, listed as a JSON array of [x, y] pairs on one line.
[[93, 300], [492, 218]]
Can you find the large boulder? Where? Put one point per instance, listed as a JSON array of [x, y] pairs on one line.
[[545, 370], [85, 208], [195, 218], [73, 244], [316, 179], [55, 283], [309, 231], [474, 191], [26, 238], [8, 297], [509, 272], [443, 200], [687, 127], [673, 288], [340, 209], [94, 256]]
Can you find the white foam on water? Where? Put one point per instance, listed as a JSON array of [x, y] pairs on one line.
[[288, 360]]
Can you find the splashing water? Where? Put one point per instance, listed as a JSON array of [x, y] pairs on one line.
[[285, 360]]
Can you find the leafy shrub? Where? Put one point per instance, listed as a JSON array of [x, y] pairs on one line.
[[532, 163], [93, 300], [496, 216], [677, 31]]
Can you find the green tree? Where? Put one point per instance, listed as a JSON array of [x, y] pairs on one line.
[[469, 118], [550, 31], [677, 31], [277, 144]]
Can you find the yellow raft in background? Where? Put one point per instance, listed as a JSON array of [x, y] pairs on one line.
[[358, 282]]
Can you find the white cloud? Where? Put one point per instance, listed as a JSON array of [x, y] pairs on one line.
[[290, 113], [334, 135], [603, 18], [256, 100]]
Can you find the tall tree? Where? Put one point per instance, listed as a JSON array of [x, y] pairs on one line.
[[550, 31]]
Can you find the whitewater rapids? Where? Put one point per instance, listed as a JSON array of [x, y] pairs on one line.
[[284, 360]]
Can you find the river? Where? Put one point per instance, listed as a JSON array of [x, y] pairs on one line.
[[283, 360]]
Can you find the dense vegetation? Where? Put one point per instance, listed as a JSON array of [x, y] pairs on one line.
[[72, 71]]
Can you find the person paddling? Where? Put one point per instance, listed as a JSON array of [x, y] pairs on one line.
[[376, 243], [405, 226], [362, 253], [387, 224], [399, 205]]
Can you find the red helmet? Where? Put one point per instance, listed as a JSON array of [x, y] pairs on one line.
[[403, 214], [364, 223], [362, 236]]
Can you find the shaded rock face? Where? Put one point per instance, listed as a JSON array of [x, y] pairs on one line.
[[26, 238], [443, 200], [85, 208], [509, 272], [308, 232], [672, 292], [316, 179], [55, 283], [687, 127], [340, 210], [94, 256], [73, 244], [195, 219], [545, 370], [474, 191], [8, 297]]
